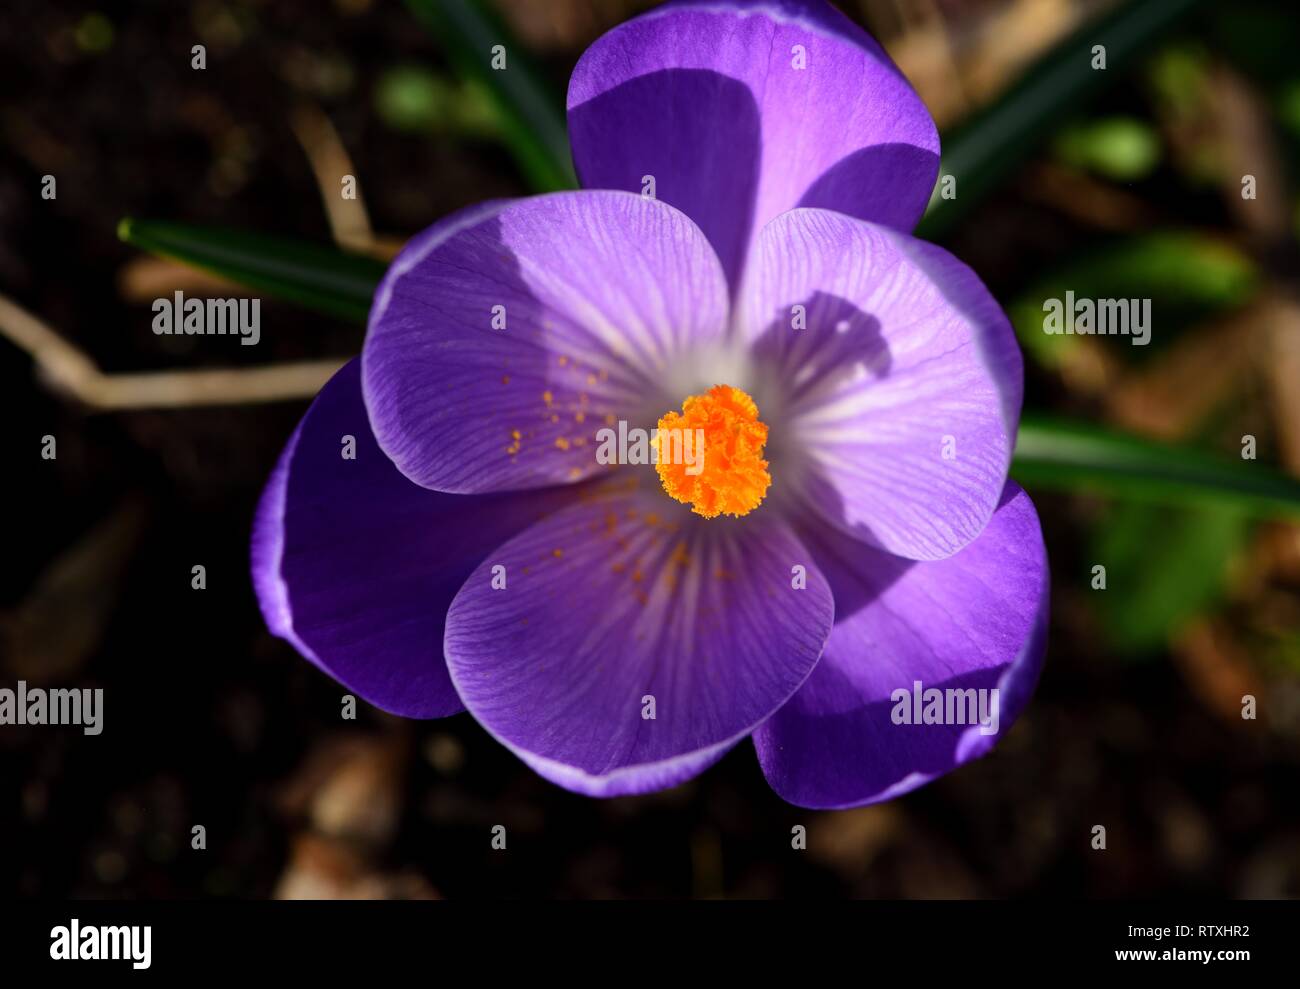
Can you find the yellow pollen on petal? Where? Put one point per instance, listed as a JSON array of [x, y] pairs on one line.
[[733, 477]]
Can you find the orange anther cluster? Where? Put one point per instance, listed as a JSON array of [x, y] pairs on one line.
[[728, 476]]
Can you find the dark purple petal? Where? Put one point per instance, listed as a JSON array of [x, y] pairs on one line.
[[355, 565], [707, 100], [626, 596], [599, 291], [975, 621], [898, 380]]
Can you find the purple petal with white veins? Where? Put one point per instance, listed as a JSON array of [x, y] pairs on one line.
[[895, 377], [973, 622], [355, 566], [710, 100], [496, 352], [626, 597]]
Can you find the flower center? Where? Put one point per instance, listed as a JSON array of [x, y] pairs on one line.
[[710, 455]]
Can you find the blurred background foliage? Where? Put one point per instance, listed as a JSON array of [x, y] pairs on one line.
[[1123, 183]]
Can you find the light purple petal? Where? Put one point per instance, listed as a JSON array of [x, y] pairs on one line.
[[599, 292], [895, 375], [355, 565], [623, 597], [976, 621], [707, 99]]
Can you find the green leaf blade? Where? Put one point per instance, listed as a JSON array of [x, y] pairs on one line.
[[1075, 456], [1173, 563], [981, 151], [320, 278], [532, 118]]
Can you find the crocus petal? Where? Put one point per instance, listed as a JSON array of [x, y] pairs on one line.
[[741, 111], [355, 565], [498, 348], [975, 621], [620, 599], [897, 378]]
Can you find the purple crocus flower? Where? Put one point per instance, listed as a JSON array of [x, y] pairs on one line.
[[852, 544]]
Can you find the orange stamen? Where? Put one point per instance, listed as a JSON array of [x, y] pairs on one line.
[[733, 477]]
